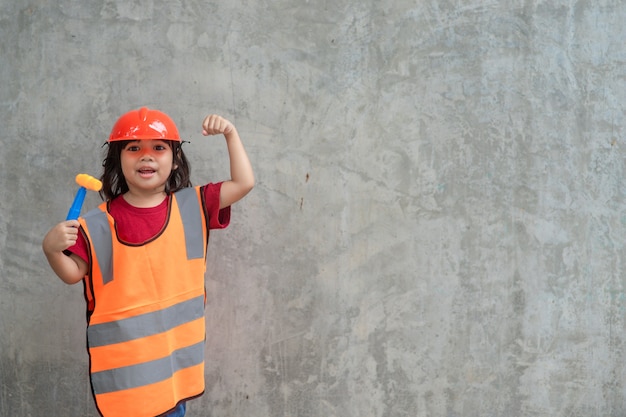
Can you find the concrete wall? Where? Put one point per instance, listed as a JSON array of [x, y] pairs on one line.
[[438, 227]]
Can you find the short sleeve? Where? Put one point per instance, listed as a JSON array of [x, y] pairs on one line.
[[218, 218]]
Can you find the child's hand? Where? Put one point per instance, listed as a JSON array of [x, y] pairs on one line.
[[215, 125], [71, 269], [61, 236]]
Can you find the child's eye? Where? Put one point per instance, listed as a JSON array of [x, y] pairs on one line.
[[132, 148], [159, 148]]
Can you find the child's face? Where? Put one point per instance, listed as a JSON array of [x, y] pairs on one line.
[[147, 164]]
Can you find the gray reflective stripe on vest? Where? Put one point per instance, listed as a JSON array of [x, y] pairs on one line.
[[190, 212], [147, 373], [145, 324], [100, 235]]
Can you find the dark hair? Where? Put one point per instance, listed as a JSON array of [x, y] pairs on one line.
[[114, 183]]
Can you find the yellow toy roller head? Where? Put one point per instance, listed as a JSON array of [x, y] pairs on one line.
[[86, 182]]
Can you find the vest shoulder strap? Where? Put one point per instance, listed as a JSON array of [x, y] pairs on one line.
[[101, 237], [191, 214]]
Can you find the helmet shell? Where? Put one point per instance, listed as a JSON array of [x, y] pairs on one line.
[[144, 124]]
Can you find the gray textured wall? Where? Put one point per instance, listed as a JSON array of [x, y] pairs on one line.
[[438, 227]]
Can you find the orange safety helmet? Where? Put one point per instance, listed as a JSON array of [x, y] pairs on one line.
[[144, 123]]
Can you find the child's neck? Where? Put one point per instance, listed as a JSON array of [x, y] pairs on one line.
[[144, 200]]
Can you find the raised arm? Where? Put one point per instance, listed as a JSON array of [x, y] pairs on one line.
[[241, 174]]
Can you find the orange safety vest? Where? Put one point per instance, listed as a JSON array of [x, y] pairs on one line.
[[145, 318]]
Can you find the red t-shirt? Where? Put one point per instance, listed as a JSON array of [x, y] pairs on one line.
[[138, 225]]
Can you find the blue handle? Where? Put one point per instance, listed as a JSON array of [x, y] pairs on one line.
[[77, 205]]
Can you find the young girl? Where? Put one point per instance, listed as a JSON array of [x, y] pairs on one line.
[[142, 256]]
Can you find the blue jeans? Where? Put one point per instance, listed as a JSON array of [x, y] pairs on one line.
[[179, 411]]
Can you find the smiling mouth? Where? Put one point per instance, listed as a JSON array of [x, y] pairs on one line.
[[146, 171]]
